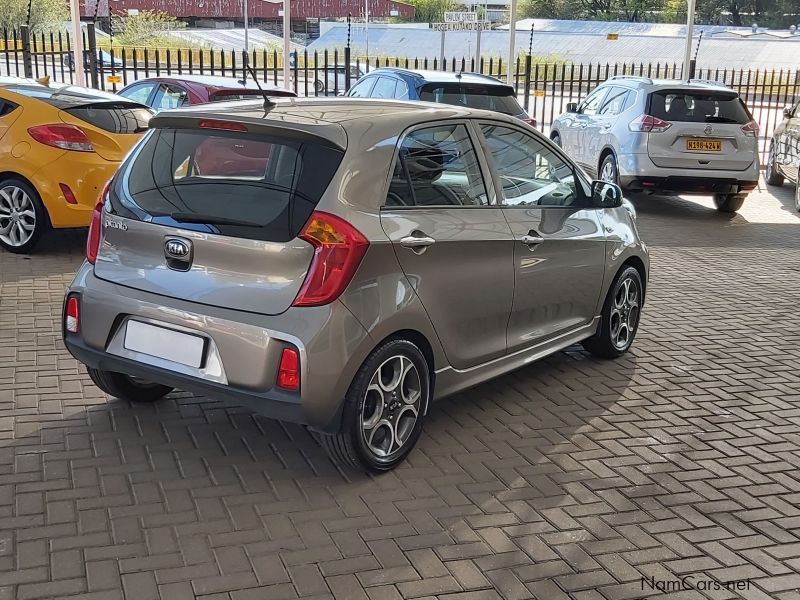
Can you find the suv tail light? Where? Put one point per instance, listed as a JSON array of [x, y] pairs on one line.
[[649, 124], [64, 136], [289, 370], [72, 317], [95, 226], [338, 250], [751, 129]]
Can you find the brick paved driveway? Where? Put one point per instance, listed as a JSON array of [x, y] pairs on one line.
[[571, 478]]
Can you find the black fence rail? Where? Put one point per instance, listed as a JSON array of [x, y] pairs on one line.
[[544, 88]]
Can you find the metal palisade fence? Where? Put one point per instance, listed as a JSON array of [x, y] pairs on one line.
[[544, 88]]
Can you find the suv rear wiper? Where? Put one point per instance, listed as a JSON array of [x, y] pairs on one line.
[[182, 217], [713, 119]]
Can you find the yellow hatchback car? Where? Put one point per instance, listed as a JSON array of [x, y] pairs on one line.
[[59, 146]]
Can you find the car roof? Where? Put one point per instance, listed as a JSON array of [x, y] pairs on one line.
[[428, 76], [216, 82], [64, 96], [654, 84]]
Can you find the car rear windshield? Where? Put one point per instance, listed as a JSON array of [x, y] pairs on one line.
[[698, 107], [236, 184], [487, 97], [116, 118]]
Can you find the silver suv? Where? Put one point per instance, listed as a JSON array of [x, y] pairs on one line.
[[694, 137], [341, 263]]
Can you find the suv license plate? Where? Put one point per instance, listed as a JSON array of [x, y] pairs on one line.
[[704, 145], [175, 346]]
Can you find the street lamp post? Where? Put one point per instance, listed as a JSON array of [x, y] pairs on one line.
[[287, 34], [77, 42], [512, 41], [687, 56]]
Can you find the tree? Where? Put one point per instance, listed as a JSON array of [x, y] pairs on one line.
[[432, 11], [147, 28], [45, 14]]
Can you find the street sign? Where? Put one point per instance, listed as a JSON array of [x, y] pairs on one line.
[[463, 26], [538, 93], [460, 17], [114, 79], [612, 36]]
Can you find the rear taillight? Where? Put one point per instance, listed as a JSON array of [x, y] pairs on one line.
[[649, 124], [95, 226], [751, 129], [338, 250], [222, 125], [289, 370], [64, 136], [72, 317], [530, 121]]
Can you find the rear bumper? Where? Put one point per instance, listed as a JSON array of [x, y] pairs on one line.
[[242, 350], [637, 172]]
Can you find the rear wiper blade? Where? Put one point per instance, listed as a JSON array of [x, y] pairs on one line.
[[720, 120], [182, 217]]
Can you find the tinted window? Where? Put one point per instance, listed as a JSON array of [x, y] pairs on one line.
[[592, 104], [437, 166], [115, 118], [362, 88], [6, 108], [614, 102], [384, 88], [139, 92], [401, 91], [269, 182], [698, 107], [487, 97], [530, 173]]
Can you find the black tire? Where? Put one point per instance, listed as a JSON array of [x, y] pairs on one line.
[[556, 139], [42, 220], [319, 86], [125, 387], [604, 343], [797, 193], [772, 175], [609, 163], [349, 447], [729, 203]]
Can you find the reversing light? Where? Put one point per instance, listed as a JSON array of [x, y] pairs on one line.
[[289, 370], [72, 315]]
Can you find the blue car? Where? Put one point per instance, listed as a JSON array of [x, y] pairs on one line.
[[460, 89]]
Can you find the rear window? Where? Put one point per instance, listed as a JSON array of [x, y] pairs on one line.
[[235, 184], [698, 107], [493, 97], [114, 118]]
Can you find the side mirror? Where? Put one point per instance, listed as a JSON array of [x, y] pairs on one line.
[[606, 195], [787, 112], [572, 107]]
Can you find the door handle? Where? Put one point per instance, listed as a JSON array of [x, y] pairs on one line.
[[417, 242], [531, 240]]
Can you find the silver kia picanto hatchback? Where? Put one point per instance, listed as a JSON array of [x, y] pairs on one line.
[[342, 263]]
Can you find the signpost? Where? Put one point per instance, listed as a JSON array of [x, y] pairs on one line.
[[462, 21]]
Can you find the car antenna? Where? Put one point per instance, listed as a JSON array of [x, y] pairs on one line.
[[268, 103], [460, 73]]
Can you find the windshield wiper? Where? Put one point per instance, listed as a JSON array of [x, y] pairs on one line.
[[182, 217]]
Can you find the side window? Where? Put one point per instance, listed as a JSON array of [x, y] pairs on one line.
[[437, 166], [593, 102], [614, 102], [401, 90], [139, 93], [6, 107], [169, 96], [384, 88], [362, 88], [530, 173]]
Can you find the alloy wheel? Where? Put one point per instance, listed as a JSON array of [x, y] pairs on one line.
[[608, 173], [17, 216], [391, 406], [625, 313]]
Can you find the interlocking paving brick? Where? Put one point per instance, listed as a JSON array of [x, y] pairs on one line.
[[570, 478]]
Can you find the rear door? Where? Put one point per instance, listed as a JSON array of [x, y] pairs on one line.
[[452, 241], [232, 202], [707, 130]]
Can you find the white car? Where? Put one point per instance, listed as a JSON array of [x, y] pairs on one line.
[[689, 137]]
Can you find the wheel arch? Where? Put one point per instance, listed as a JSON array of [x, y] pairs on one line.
[[638, 264], [607, 150], [6, 175]]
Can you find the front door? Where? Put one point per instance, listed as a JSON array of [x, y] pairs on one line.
[[452, 241], [584, 124], [559, 250]]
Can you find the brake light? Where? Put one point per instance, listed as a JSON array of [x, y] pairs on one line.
[[338, 250], [751, 129], [649, 124], [223, 125], [95, 226], [289, 370], [64, 136], [72, 315]]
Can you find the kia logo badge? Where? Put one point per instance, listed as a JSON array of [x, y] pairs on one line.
[[177, 248]]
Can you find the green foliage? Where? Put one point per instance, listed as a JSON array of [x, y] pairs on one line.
[[432, 11], [46, 15], [149, 28]]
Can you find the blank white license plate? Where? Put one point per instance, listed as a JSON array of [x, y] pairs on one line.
[[168, 344]]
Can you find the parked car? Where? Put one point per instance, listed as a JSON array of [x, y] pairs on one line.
[[694, 137], [363, 259], [459, 89], [60, 145], [333, 79], [179, 90], [104, 60], [784, 152]]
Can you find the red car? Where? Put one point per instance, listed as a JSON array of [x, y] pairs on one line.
[[180, 90]]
